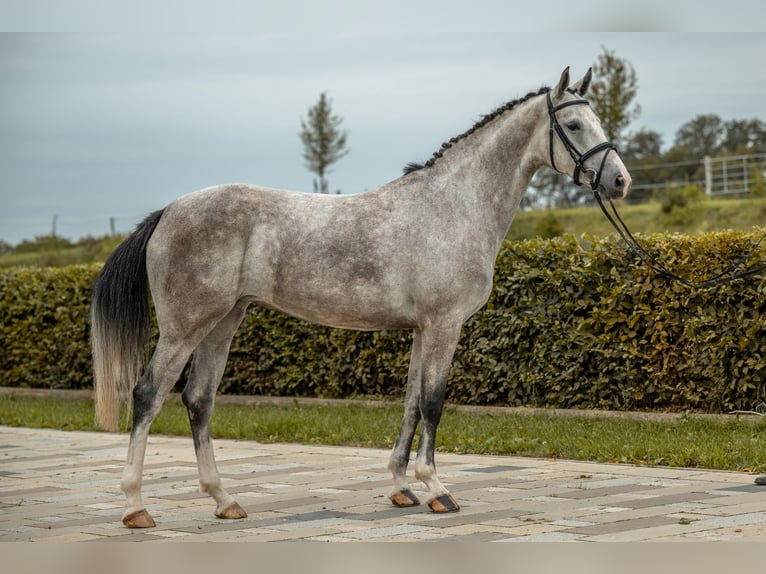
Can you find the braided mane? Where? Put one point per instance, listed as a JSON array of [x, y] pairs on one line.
[[413, 166]]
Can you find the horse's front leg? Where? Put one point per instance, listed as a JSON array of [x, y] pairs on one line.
[[400, 494], [437, 347]]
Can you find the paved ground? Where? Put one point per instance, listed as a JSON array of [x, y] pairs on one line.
[[63, 486]]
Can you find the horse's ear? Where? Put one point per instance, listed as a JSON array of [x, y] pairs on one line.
[[563, 83], [582, 86]]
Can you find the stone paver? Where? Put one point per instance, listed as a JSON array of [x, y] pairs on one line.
[[58, 486]]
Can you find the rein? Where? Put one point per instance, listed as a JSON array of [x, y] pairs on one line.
[[729, 274], [726, 276]]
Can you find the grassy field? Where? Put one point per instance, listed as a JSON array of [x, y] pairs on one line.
[[85, 251], [696, 217], [730, 444]]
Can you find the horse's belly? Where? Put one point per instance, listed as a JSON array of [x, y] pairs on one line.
[[344, 316], [346, 305]]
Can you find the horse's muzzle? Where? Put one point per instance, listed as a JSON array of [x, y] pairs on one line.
[[615, 181]]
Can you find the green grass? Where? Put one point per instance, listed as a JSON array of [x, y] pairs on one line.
[[697, 217], [730, 444], [86, 251]]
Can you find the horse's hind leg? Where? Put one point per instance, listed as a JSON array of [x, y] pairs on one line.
[[163, 371], [401, 495], [199, 397]]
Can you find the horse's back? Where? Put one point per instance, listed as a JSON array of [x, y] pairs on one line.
[[327, 259]]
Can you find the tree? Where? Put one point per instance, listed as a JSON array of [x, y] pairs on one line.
[[642, 145], [323, 141], [701, 136], [550, 188], [545, 190], [744, 136], [613, 89]]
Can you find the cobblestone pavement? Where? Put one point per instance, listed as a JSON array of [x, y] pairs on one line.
[[64, 486]]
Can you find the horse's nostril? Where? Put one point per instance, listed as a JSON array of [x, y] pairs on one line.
[[619, 183]]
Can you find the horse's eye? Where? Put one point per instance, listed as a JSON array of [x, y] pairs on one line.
[[573, 126]]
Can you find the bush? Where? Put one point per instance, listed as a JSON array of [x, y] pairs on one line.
[[570, 324], [44, 326], [548, 226], [674, 199]]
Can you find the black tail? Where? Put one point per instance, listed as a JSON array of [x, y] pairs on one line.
[[120, 323]]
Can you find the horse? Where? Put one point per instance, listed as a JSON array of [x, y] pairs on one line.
[[417, 253]]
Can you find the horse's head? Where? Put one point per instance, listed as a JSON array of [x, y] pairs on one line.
[[577, 144]]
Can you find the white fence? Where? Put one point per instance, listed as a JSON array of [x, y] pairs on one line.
[[732, 175], [724, 176]]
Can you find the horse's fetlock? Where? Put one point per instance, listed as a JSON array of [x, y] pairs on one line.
[[209, 486], [395, 466], [423, 471], [128, 485]]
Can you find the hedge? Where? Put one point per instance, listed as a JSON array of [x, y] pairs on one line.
[[571, 323]]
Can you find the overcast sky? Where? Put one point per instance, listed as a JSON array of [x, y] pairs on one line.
[[117, 124]]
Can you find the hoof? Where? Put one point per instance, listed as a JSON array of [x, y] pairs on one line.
[[232, 512], [138, 519], [760, 480], [443, 503], [404, 498]]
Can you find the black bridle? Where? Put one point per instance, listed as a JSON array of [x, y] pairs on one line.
[[727, 275], [578, 158]]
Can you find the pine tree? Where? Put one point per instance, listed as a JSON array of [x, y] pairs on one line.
[[323, 141]]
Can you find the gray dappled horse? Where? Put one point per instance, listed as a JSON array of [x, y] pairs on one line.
[[417, 253]]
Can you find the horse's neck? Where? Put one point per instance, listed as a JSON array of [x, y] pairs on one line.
[[491, 169]]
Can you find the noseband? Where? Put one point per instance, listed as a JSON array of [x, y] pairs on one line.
[[578, 158]]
